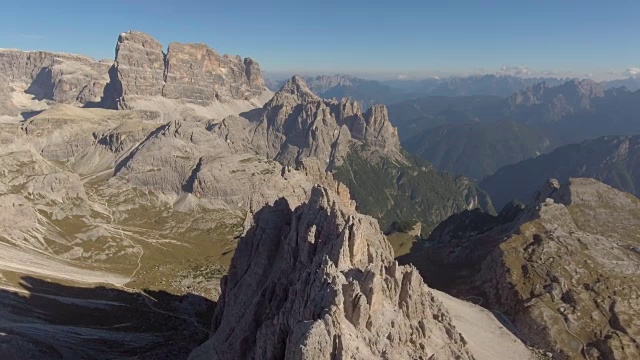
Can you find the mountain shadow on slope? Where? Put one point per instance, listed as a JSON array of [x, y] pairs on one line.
[[56, 321]]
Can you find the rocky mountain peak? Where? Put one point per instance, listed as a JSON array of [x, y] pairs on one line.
[[323, 83], [320, 282], [295, 89], [296, 124], [581, 91], [59, 77], [541, 102], [139, 66], [188, 73], [137, 38], [349, 107], [546, 191]]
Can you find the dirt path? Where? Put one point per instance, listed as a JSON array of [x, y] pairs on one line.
[[146, 297]]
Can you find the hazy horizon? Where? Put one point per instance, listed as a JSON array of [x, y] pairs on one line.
[[411, 40]]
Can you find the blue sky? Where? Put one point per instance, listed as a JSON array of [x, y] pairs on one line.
[[362, 37]]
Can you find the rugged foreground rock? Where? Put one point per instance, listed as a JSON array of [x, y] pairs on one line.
[[106, 205], [320, 282], [563, 269]]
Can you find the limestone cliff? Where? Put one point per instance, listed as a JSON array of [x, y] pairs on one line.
[[187, 73], [296, 124], [63, 78], [320, 282], [360, 149]]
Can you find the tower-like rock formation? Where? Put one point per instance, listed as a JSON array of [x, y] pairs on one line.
[[191, 73], [320, 282]]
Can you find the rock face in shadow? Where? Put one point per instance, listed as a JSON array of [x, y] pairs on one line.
[[320, 282], [193, 73], [63, 78], [42, 319], [563, 268]]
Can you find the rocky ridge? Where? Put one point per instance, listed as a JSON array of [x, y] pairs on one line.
[[552, 103], [320, 282], [297, 124], [126, 200], [366, 92], [189, 78], [560, 269]]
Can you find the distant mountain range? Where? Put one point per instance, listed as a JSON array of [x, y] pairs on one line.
[[477, 135], [369, 92], [614, 160], [477, 149], [497, 85], [475, 125], [365, 92]]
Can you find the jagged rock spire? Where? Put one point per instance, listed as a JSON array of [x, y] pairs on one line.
[[320, 282]]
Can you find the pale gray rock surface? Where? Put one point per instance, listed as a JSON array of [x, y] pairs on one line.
[[63, 78], [7, 107], [123, 201], [296, 124], [143, 76], [139, 66], [320, 282], [198, 74]]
